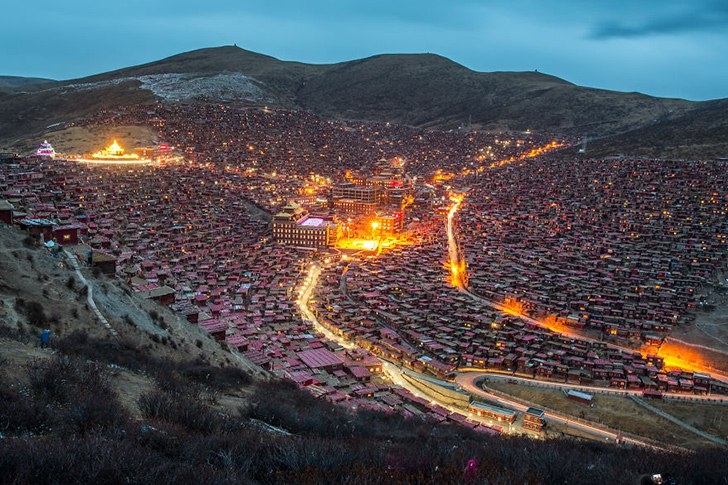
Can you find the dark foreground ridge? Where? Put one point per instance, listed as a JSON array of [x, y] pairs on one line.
[[65, 424]]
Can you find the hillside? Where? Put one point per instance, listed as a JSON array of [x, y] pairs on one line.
[[700, 133], [40, 289], [424, 90], [23, 82], [162, 402]]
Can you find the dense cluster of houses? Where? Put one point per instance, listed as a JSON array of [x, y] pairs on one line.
[[175, 240], [397, 306], [196, 235], [626, 247]]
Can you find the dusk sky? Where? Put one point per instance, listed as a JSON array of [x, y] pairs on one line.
[[669, 48]]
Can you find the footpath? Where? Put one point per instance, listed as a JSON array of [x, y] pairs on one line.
[[90, 294], [680, 423]]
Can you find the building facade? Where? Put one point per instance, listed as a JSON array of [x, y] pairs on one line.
[[349, 198], [293, 226]]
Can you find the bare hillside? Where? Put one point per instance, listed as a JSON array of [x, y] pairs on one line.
[[423, 90]]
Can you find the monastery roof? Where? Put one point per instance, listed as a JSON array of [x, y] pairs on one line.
[[316, 358]]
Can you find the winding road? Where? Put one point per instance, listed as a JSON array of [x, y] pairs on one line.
[[469, 382]]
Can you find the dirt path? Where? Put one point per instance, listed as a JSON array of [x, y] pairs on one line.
[[90, 295], [679, 422]]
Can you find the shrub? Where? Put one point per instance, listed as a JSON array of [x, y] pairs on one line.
[[63, 393], [182, 410], [91, 412], [61, 378], [32, 310], [12, 333], [98, 459], [20, 413], [220, 378]]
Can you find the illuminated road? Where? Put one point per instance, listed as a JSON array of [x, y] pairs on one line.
[[468, 382], [458, 271], [392, 371], [305, 295], [395, 374]]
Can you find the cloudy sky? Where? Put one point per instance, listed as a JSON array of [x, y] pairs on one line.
[[670, 48]]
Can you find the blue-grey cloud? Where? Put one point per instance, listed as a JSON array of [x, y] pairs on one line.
[[696, 17]]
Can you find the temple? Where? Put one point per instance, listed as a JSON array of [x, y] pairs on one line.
[[294, 226], [114, 152], [46, 150]]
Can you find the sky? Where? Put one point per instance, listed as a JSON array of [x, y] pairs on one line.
[[666, 48]]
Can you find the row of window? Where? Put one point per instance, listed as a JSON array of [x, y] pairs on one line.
[[302, 243], [300, 231], [303, 236]]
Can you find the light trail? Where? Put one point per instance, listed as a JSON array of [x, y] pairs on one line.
[[305, 295], [458, 270], [554, 145], [139, 161]]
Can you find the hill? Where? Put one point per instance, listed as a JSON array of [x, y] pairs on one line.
[[423, 90], [22, 82], [157, 401], [699, 133]]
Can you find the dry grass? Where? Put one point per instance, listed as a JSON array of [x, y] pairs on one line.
[[622, 413], [711, 418], [84, 139]]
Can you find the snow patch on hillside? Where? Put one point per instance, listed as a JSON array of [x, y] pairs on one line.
[[226, 86], [223, 87]]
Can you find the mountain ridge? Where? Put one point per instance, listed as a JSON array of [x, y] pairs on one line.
[[422, 90]]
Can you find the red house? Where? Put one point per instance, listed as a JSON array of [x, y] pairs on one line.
[[38, 227], [66, 234], [216, 328], [106, 263]]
